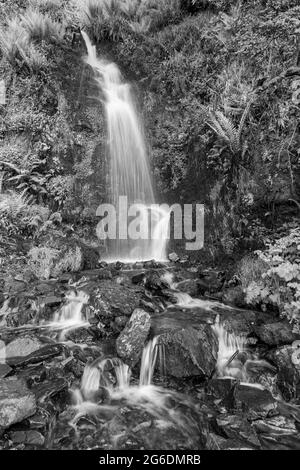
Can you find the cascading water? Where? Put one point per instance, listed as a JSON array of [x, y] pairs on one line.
[[129, 172], [69, 317]]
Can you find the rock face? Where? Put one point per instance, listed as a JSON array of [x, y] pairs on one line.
[[16, 402], [131, 341], [189, 351]]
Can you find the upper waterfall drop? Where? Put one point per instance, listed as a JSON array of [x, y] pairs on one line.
[[129, 166]]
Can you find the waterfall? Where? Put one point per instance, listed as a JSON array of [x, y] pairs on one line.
[[129, 166]]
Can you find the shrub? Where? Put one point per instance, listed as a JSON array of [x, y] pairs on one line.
[[251, 269], [47, 262]]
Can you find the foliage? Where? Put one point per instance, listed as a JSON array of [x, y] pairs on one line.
[[115, 19], [279, 285], [47, 262]]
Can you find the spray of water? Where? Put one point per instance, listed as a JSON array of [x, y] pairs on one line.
[[129, 172]]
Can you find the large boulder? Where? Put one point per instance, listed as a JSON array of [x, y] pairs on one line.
[[189, 352], [109, 301], [17, 402], [187, 342], [131, 341]]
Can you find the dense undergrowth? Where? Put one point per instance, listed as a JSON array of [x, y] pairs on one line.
[[219, 87]]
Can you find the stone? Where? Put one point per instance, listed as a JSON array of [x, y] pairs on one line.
[[49, 389], [154, 282], [42, 354], [32, 437], [238, 428], [131, 341], [221, 387], [109, 299], [4, 370], [22, 346], [188, 351], [17, 402], [189, 286], [173, 257], [254, 397], [276, 334]]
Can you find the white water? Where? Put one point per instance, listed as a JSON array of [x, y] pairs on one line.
[[69, 317], [129, 171]]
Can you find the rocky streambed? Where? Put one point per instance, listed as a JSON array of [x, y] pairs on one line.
[[146, 356]]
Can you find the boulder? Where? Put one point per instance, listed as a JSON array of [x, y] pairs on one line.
[[131, 341], [22, 346], [188, 351], [109, 300], [17, 402]]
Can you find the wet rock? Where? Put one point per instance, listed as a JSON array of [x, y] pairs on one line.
[[238, 428], [131, 341], [216, 442], [189, 351], [22, 346], [254, 397], [153, 281], [138, 278], [173, 257], [109, 300], [210, 280], [276, 334], [5, 370], [33, 438], [278, 432], [288, 371], [221, 387], [17, 402], [39, 355], [190, 286], [49, 389], [33, 375]]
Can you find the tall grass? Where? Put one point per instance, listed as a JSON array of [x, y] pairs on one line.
[[17, 48], [42, 27]]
